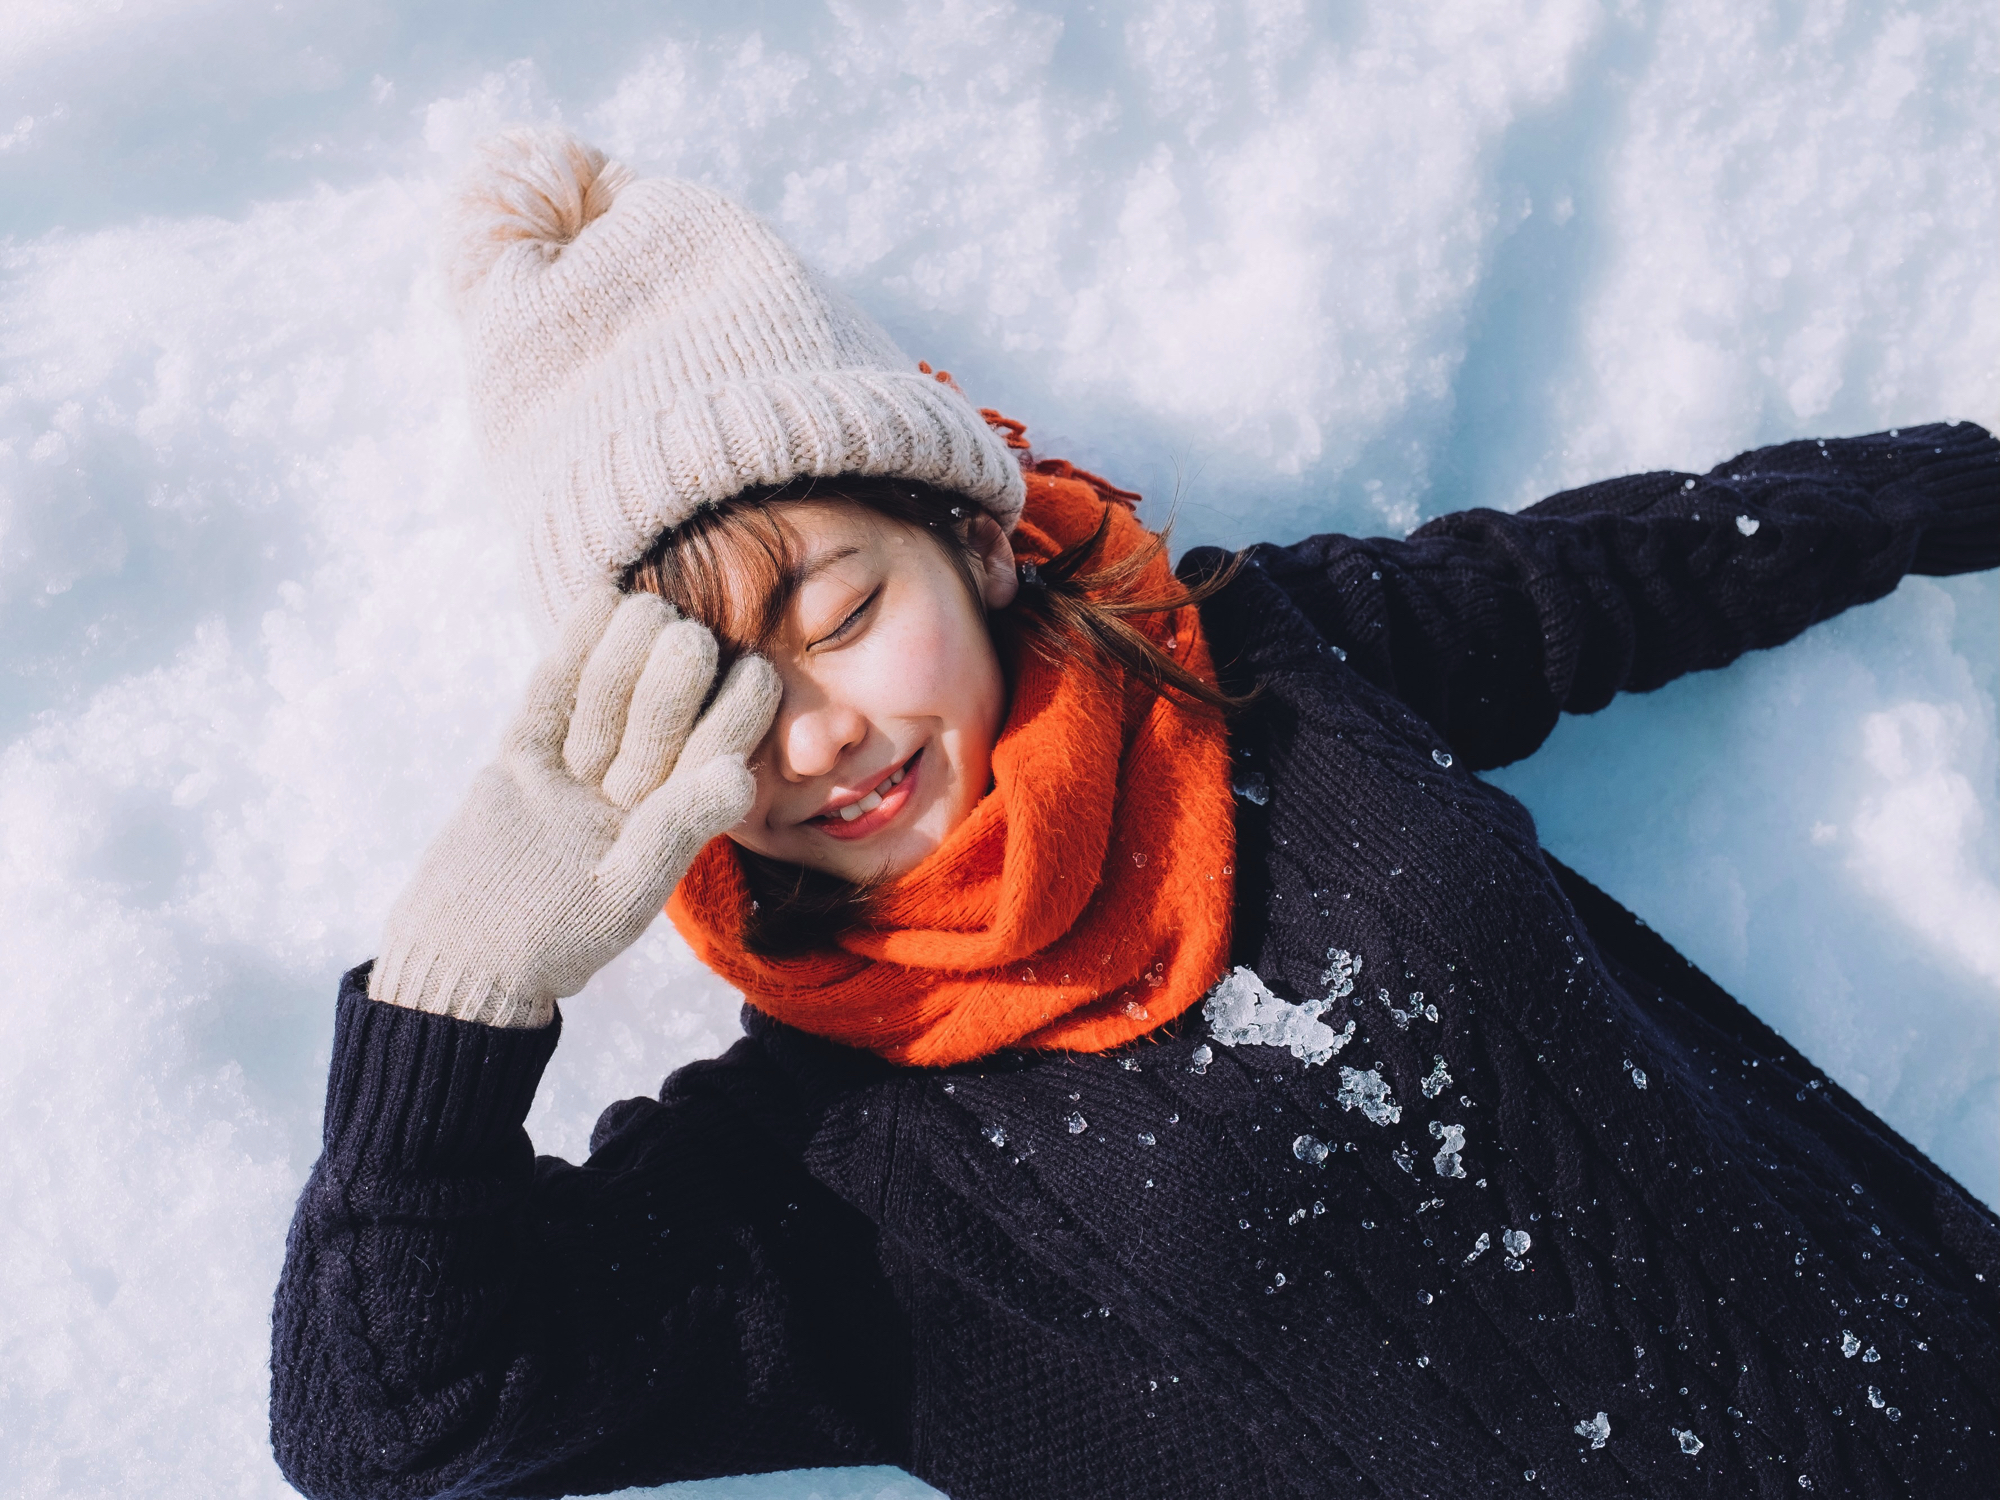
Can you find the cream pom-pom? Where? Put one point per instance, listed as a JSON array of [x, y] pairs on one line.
[[538, 185]]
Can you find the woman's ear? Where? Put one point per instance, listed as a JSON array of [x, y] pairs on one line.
[[998, 582]]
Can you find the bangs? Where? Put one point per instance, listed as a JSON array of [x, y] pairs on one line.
[[734, 568]]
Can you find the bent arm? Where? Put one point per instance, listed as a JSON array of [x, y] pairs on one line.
[[455, 1317], [1492, 625]]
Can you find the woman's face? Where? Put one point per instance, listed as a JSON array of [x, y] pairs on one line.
[[893, 695]]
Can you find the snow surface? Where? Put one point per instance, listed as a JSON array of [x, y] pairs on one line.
[[1306, 266]]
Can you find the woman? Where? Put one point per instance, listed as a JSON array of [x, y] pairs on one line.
[[1169, 1069]]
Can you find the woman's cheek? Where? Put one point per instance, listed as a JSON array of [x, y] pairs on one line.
[[913, 676]]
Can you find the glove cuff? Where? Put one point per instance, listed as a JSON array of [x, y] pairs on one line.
[[418, 977]]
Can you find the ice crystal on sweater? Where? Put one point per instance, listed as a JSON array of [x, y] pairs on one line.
[[1342, 969], [1437, 1080], [1368, 1092], [1240, 1012], [1451, 1141]]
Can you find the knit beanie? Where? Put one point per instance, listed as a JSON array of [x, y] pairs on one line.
[[640, 348]]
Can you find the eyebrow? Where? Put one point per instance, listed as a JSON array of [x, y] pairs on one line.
[[804, 572], [790, 581]]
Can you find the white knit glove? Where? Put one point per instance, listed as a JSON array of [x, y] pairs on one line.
[[605, 790]]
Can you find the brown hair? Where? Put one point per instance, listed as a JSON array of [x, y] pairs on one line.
[[735, 568]]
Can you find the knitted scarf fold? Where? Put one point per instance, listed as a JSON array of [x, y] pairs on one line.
[[1085, 901]]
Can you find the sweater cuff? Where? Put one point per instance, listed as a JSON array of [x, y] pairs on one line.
[[413, 1092], [1949, 503]]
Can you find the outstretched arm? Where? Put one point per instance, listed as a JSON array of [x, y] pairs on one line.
[[458, 1318], [1492, 625]]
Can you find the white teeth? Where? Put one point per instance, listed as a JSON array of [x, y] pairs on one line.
[[873, 800]]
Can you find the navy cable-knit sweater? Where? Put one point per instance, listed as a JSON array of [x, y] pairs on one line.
[[1667, 1258]]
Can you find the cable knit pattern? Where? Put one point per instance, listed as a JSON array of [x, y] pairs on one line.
[[637, 349], [1560, 1217]]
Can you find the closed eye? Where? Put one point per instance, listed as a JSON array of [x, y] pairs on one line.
[[849, 625]]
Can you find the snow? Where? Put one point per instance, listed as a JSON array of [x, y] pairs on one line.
[[1241, 1012], [1437, 1080], [1597, 1429], [1368, 1091], [1451, 1141], [1304, 267]]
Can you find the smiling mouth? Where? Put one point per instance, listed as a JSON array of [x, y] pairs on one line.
[[877, 809]]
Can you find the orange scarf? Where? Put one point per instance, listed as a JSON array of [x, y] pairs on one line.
[[1086, 899]]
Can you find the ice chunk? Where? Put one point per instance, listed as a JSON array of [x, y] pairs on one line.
[[1451, 1141], [1437, 1080], [1597, 1429], [1368, 1092], [1748, 525], [1309, 1149], [996, 1135], [1200, 1058], [1849, 1344], [1076, 1122], [1690, 1444], [1403, 1156], [1875, 1397], [1442, 757], [1479, 1247], [1241, 1012], [1252, 787], [1516, 1242], [1342, 969], [1146, 1138], [1871, 1355], [1638, 1078]]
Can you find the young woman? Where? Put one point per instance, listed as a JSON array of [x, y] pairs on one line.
[[1169, 1069]]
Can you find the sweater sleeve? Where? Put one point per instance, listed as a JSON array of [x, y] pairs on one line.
[[1492, 625], [458, 1318]]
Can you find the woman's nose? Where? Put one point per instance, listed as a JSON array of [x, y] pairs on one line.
[[812, 737]]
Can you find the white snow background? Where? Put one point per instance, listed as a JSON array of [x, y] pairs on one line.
[[1328, 265]]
